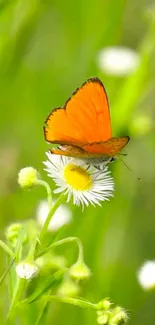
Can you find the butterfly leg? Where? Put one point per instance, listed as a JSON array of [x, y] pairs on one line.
[[88, 167], [101, 167], [80, 163], [98, 167], [113, 159]]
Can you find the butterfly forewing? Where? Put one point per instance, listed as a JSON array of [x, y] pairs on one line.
[[88, 110], [84, 119], [59, 130]]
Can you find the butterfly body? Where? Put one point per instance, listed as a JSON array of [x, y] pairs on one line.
[[82, 128]]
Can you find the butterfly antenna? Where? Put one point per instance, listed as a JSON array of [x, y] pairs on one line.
[[123, 154], [138, 178]]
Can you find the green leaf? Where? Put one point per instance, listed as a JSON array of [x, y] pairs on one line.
[[50, 282]]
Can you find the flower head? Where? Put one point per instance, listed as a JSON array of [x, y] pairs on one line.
[[27, 270], [103, 318], [118, 316], [146, 275], [118, 61], [27, 177], [85, 185], [61, 217], [111, 316], [104, 304], [13, 232]]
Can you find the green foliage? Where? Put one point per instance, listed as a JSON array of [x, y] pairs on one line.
[[47, 49]]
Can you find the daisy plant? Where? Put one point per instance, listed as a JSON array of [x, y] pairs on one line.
[[31, 251]]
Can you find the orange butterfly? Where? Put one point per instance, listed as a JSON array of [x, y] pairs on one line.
[[82, 127]]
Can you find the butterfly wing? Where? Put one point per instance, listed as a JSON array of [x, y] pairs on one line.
[[110, 147], [85, 118]]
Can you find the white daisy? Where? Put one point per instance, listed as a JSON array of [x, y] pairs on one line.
[[118, 61], [146, 275], [62, 215], [85, 185]]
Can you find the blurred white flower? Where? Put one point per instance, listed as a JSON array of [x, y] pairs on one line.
[[62, 216], [146, 275], [27, 270], [118, 61]]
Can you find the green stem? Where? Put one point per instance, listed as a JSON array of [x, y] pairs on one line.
[[49, 217], [17, 295], [31, 254], [10, 279], [43, 313], [7, 249], [73, 301], [81, 257], [61, 242], [48, 189], [6, 272], [19, 245]]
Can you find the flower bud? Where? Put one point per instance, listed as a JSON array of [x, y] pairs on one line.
[[12, 234], [69, 289], [27, 177], [103, 318], [104, 304], [118, 316], [27, 270], [79, 271], [141, 125]]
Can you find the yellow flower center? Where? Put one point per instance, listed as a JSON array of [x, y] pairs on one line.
[[77, 177]]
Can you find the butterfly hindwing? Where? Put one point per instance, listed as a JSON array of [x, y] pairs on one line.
[[110, 147]]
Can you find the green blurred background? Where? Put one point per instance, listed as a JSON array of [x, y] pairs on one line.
[[47, 49]]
